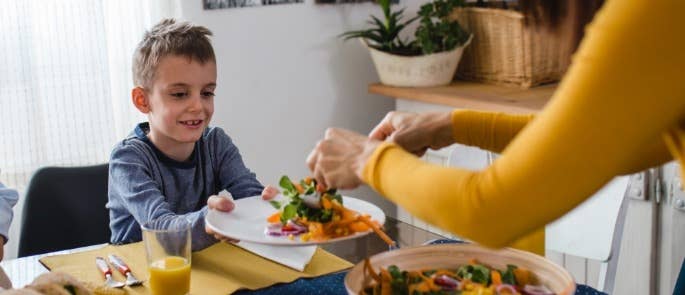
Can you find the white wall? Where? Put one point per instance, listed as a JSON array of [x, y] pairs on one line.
[[284, 77]]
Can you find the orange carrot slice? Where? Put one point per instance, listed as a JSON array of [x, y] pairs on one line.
[[359, 226], [496, 277], [276, 217], [522, 276]]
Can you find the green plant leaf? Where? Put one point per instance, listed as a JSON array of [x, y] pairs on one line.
[[435, 33]]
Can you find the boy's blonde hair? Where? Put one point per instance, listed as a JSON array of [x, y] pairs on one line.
[[170, 37]]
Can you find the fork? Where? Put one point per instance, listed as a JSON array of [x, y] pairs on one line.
[[107, 272]]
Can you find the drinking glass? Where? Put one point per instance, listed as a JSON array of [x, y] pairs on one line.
[[167, 245]]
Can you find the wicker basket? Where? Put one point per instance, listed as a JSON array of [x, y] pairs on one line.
[[508, 52]]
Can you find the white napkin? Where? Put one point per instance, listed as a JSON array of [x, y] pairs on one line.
[[296, 257]]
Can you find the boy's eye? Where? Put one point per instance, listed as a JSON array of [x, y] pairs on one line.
[[207, 94], [179, 94]]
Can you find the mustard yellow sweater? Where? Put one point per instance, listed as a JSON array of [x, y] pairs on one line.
[[618, 110]]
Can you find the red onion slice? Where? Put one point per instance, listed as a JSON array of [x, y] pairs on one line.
[[446, 282]]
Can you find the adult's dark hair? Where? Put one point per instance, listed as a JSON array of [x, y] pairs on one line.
[[571, 16], [553, 12]]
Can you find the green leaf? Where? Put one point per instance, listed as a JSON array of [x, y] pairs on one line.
[[290, 193], [337, 197], [286, 184], [326, 215], [508, 275], [480, 274], [310, 190], [398, 282], [289, 212], [275, 204]]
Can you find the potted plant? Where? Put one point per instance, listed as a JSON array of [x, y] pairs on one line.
[[430, 59]]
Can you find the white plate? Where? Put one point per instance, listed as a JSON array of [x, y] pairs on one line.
[[247, 221]]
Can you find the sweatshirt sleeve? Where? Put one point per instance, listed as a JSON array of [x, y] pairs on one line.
[[233, 174], [8, 198]]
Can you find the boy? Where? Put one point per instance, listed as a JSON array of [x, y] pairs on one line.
[[171, 165]]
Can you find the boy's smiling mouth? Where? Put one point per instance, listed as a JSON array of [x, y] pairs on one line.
[[192, 123]]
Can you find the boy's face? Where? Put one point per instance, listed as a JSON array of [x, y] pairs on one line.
[[181, 100]]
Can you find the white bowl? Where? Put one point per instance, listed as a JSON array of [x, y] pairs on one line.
[[547, 273]]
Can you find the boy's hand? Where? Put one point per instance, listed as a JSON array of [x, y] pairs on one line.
[[269, 192], [221, 204], [226, 205]]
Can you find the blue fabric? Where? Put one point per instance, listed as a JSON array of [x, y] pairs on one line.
[[8, 198], [144, 184], [586, 290], [332, 284], [680, 281]]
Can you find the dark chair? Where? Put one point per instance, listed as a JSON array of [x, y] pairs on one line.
[[64, 209]]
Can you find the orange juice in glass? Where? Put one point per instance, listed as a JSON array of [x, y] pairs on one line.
[[167, 245]]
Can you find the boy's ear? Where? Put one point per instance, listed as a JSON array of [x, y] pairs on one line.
[[140, 99]]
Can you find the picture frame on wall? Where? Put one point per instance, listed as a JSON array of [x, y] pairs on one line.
[[221, 4], [340, 1], [348, 1]]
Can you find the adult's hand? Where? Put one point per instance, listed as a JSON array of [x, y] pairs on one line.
[[338, 160], [226, 205], [416, 132]]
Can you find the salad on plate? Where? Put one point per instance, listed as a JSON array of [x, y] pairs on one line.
[[315, 213]]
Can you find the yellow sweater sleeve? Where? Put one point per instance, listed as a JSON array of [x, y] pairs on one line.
[[623, 91], [490, 131], [493, 131]]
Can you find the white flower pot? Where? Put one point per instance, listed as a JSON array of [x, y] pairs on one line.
[[417, 71]]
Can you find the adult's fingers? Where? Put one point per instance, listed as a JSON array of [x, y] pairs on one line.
[[384, 128], [313, 156], [320, 179]]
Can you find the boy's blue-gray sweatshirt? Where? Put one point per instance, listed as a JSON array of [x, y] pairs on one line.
[[144, 184]]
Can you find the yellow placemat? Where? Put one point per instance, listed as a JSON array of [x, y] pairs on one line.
[[219, 269]]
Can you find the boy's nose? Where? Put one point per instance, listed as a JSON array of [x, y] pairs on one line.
[[195, 104]]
